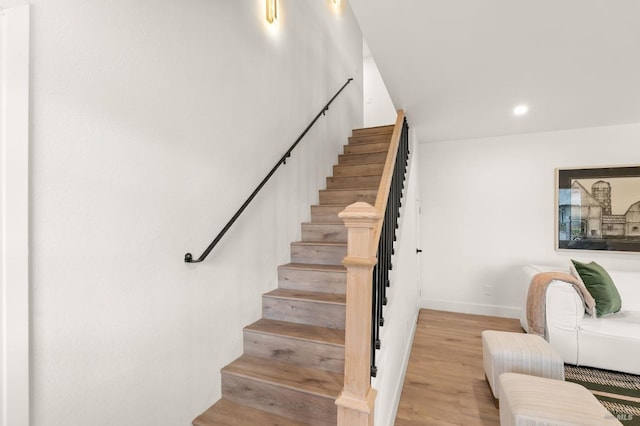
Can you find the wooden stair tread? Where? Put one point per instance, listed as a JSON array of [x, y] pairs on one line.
[[353, 182], [369, 139], [386, 128], [314, 267], [312, 296], [318, 243], [348, 190], [366, 148], [309, 380], [351, 188], [361, 154], [354, 178], [228, 413], [369, 169], [354, 165], [382, 134], [297, 331], [347, 195]]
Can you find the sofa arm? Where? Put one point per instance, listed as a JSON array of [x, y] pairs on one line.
[[564, 312]]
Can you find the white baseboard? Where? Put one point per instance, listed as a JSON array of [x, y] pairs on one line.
[[471, 308]]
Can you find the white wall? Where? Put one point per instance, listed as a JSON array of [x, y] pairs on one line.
[[401, 311], [151, 122], [488, 208], [378, 107]]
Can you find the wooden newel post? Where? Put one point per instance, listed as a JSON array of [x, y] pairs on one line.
[[356, 402]]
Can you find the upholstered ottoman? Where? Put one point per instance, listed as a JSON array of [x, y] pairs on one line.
[[506, 352], [538, 401]]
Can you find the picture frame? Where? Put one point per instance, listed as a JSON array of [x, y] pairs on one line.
[[598, 208]]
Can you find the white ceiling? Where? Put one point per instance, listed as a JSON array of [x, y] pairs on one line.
[[458, 67]]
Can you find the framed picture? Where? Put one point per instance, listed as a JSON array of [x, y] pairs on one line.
[[598, 209]]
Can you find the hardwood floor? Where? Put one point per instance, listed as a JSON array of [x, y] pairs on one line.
[[445, 383]]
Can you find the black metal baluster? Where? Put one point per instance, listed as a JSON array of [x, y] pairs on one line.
[[374, 319]]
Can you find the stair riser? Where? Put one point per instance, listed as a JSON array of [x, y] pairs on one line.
[[366, 148], [357, 140], [326, 214], [348, 196], [315, 410], [295, 351], [380, 130], [324, 232], [353, 182], [318, 255], [359, 170], [388, 128], [372, 157], [331, 315], [307, 280]]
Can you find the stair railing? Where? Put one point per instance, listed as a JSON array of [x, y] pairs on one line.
[[370, 235], [188, 258]]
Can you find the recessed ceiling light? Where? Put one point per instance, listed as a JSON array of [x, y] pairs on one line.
[[520, 110]]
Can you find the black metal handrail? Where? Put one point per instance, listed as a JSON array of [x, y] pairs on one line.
[[188, 258], [385, 245]]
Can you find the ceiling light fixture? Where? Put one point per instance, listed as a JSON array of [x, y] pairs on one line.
[[520, 110], [272, 11]]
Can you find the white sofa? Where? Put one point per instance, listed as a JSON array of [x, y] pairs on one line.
[[611, 342]]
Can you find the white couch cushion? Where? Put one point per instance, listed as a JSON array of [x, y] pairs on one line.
[[624, 324], [611, 343]]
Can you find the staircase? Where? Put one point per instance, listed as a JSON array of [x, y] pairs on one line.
[[291, 371]]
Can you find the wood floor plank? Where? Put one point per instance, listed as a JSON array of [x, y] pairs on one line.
[[227, 413], [445, 383]]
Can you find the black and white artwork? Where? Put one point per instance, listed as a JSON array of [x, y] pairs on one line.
[[598, 209]]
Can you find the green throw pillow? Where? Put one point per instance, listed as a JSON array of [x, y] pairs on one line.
[[601, 287]]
